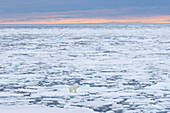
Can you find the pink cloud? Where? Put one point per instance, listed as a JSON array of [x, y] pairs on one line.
[[79, 17]]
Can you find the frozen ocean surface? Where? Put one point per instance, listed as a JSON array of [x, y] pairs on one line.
[[119, 68]]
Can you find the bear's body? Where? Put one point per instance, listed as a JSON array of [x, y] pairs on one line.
[[73, 88]]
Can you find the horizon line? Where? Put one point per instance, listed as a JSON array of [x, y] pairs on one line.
[[76, 23]]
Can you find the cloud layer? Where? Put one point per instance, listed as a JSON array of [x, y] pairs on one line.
[[84, 11]]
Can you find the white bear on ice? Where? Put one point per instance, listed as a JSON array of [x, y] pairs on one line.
[[73, 88]]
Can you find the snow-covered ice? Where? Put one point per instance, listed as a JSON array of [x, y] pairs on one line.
[[41, 109], [119, 68]]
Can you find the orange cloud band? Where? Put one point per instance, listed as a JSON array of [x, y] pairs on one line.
[[141, 20]]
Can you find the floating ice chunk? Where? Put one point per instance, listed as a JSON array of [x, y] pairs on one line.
[[161, 86]]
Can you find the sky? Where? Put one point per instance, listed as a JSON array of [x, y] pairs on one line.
[[84, 11]]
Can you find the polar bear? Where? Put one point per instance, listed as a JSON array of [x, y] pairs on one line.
[[71, 88]]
